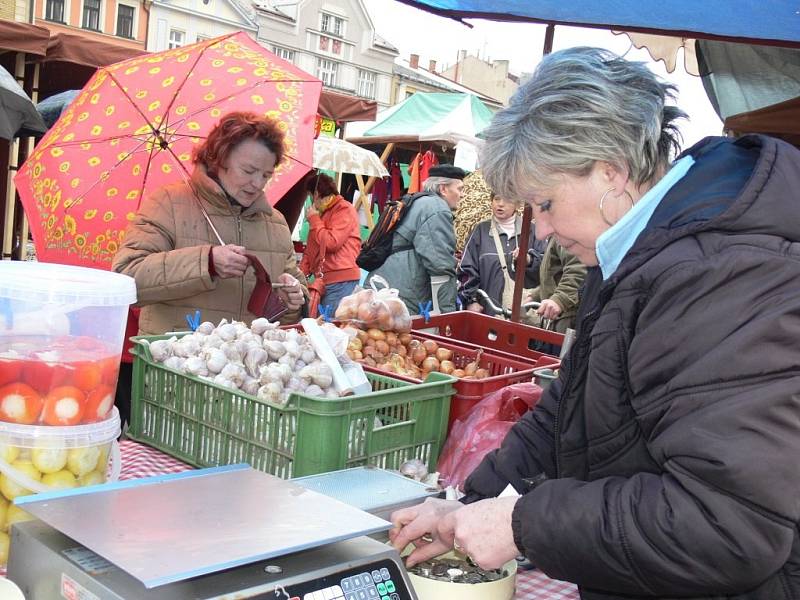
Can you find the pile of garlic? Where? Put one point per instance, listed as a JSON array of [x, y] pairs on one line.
[[261, 360]]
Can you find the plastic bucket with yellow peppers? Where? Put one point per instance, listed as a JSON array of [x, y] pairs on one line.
[[61, 336]]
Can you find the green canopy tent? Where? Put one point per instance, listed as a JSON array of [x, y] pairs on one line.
[[446, 118]]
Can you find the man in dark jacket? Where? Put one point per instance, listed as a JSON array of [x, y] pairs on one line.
[[423, 246], [663, 462]]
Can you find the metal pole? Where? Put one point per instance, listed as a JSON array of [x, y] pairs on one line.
[[30, 142], [522, 262], [13, 163]]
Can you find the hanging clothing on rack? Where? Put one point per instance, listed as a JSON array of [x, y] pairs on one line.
[[396, 179], [429, 160], [414, 167]]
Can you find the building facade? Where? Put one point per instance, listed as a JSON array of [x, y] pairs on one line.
[[175, 23], [335, 40], [490, 78], [118, 22], [411, 77]]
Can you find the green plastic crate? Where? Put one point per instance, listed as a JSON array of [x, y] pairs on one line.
[[206, 425]]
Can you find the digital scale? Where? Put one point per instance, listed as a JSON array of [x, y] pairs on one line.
[[210, 534]]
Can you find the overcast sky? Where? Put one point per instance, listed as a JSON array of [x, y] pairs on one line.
[[436, 38]]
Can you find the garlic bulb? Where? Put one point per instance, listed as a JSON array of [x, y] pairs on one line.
[[215, 359], [308, 355], [292, 348], [225, 382], [314, 390], [271, 392], [285, 371], [185, 347], [250, 385], [275, 349], [254, 358], [175, 362], [415, 469], [231, 350], [161, 350], [195, 365], [296, 384], [319, 373], [260, 325], [205, 328], [234, 372], [226, 332]]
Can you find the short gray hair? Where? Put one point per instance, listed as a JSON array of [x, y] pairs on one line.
[[582, 105], [431, 184]]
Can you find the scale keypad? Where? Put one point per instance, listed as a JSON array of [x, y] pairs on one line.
[[376, 585]]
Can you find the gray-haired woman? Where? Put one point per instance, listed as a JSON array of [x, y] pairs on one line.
[[664, 461]]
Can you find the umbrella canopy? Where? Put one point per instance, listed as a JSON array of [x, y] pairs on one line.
[[18, 116], [133, 128], [771, 21], [343, 157], [52, 107]]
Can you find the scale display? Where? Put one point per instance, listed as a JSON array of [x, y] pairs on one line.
[[175, 527]]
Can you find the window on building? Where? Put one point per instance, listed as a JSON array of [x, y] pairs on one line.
[[91, 15], [125, 21], [366, 83], [332, 24], [54, 11], [177, 38], [326, 71], [283, 53]]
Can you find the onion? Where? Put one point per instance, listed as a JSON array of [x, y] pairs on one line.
[[362, 335], [458, 373], [401, 350], [447, 367], [418, 354], [376, 334], [391, 338], [444, 354], [365, 313], [470, 369], [382, 347], [430, 347], [405, 338], [482, 374], [430, 364]]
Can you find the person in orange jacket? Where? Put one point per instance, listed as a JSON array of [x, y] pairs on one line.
[[334, 240]]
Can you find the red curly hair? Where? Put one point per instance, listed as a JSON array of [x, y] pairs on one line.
[[234, 128]]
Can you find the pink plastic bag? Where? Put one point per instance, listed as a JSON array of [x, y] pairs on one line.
[[483, 429]]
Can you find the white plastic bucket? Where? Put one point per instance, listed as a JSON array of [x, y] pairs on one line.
[[77, 445], [60, 326]]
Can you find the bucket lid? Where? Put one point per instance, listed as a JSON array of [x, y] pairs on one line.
[[63, 284], [73, 436]]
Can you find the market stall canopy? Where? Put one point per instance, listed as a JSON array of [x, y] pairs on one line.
[[770, 22], [344, 109], [443, 117], [23, 37], [780, 120]]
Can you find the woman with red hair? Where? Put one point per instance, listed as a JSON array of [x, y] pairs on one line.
[[172, 245], [334, 241]]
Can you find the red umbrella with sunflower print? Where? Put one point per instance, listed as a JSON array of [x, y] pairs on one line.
[[132, 129]]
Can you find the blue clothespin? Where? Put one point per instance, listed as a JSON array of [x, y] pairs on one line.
[[425, 310], [193, 321], [326, 312], [459, 303]]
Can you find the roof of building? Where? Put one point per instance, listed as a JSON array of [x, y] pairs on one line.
[[422, 75]]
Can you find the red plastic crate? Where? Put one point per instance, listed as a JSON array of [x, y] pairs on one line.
[[473, 329], [504, 370]]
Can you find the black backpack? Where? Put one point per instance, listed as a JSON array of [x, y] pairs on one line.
[[378, 246]]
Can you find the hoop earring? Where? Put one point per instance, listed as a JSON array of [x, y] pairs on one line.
[[603, 199]]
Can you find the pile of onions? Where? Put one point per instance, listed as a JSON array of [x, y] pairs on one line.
[[369, 309], [403, 354]]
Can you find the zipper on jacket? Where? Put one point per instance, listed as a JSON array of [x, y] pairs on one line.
[[239, 242], [587, 321]]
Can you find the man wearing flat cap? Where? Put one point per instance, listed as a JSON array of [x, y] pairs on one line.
[[424, 243]]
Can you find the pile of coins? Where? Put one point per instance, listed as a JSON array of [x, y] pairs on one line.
[[454, 570]]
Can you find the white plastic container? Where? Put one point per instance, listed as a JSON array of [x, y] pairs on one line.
[[59, 326], [432, 589], [36, 459]]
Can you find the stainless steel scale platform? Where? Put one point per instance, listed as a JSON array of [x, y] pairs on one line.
[[227, 532]]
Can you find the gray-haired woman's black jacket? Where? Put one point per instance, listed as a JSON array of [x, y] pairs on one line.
[[668, 454]]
